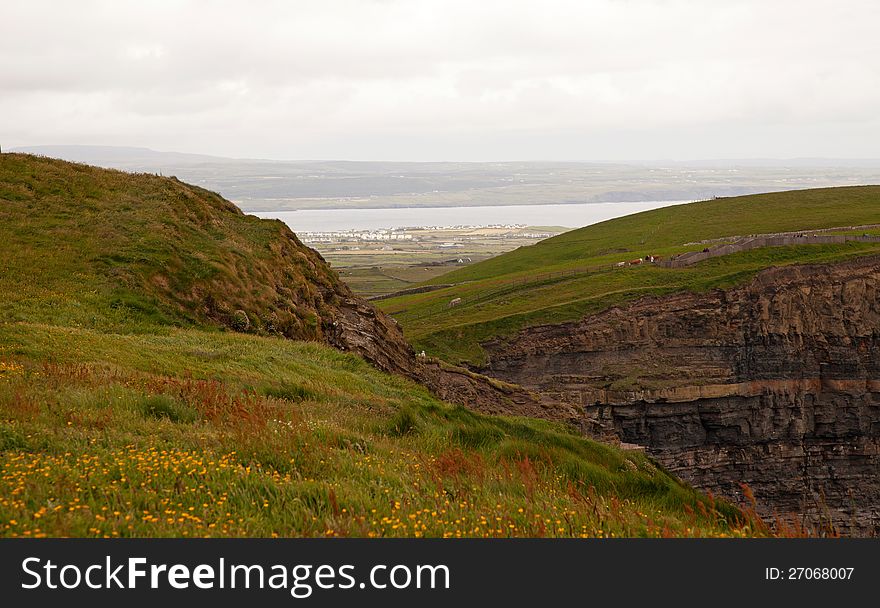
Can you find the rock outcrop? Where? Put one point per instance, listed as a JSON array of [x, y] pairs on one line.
[[358, 327], [775, 384]]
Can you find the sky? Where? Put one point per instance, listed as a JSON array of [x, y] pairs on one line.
[[446, 79]]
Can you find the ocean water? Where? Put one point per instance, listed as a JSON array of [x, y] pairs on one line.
[[569, 215]]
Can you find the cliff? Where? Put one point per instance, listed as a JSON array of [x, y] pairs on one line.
[[356, 326], [775, 384]]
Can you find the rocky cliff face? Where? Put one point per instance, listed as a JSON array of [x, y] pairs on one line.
[[354, 325], [775, 385]]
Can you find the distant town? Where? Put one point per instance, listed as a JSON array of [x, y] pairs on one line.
[[383, 260]]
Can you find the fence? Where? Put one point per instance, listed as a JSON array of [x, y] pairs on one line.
[[686, 259]]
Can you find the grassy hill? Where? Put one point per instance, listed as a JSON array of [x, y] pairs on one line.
[[573, 274], [129, 407], [105, 249]]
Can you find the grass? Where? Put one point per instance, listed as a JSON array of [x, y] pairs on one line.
[[89, 247], [129, 408], [380, 280], [573, 274], [107, 435]]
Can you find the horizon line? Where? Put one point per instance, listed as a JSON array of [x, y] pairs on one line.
[[716, 159]]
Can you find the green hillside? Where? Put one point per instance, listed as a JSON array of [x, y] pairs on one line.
[[105, 249], [129, 407], [573, 274]]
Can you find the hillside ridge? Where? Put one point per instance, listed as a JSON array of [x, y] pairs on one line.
[[590, 269], [147, 249]]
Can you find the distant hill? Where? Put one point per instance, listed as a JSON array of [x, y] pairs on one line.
[[119, 156], [573, 274], [276, 185]]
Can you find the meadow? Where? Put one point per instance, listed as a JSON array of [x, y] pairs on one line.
[[194, 433], [574, 274]]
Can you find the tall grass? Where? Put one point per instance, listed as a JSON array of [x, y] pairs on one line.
[[199, 433]]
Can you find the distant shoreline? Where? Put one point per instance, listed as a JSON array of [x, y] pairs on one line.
[[571, 215], [361, 204]]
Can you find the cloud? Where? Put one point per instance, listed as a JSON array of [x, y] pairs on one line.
[[421, 79]]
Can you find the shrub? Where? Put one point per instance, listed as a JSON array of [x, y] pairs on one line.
[[10, 439], [240, 321], [167, 407], [476, 435], [290, 392], [404, 422]]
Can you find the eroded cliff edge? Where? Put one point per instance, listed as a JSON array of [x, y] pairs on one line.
[[775, 384], [355, 325]]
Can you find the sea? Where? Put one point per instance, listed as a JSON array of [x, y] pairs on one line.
[[572, 215]]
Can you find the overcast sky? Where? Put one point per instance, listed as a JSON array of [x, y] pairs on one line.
[[446, 80]]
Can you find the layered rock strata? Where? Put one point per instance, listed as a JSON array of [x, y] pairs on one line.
[[775, 384]]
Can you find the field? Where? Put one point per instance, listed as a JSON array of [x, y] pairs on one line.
[[378, 268], [379, 280], [127, 409], [575, 273], [190, 433]]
